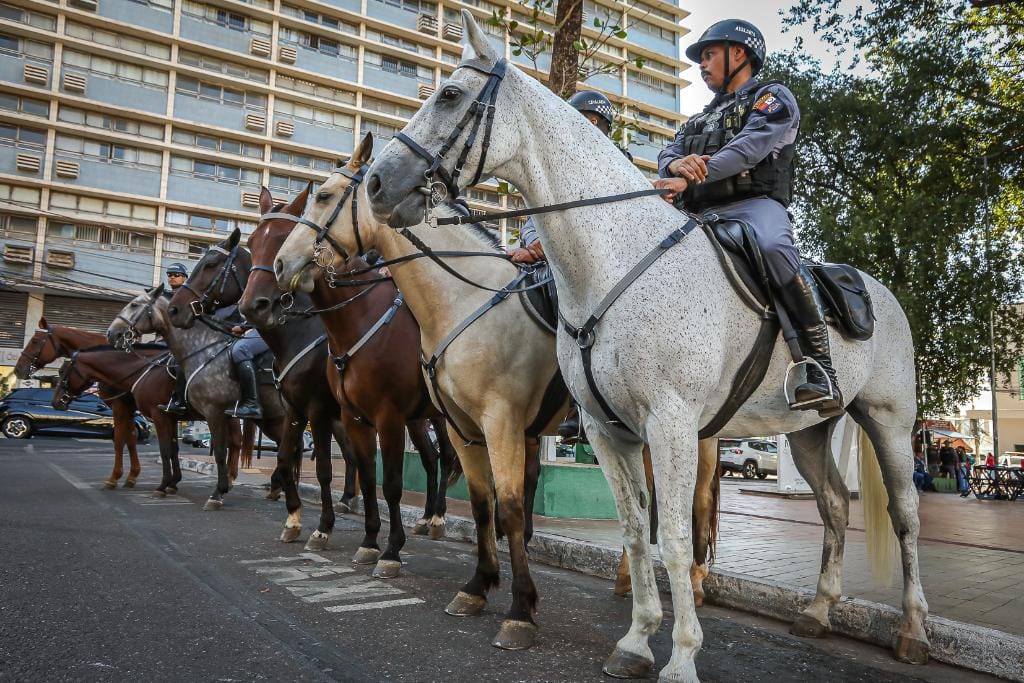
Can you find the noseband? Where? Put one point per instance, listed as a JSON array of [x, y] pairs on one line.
[[440, 184], [198, 305], [131, 334], [34, 360]]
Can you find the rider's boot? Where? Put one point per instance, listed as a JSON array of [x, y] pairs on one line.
[[249, 404], [570, 429], [177, 405], [803, 303]]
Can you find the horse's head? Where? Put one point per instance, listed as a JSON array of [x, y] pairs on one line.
[[330, 231], [261, 303], [70, 383], [42, 349], [216, 281], [461, 134], [139, 317]]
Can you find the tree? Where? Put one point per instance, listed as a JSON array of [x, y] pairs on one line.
[[912, 173]]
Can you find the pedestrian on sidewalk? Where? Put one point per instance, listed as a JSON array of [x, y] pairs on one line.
[[947, 461], [990, 460], [933, 458], [961, 471], [922, 478]]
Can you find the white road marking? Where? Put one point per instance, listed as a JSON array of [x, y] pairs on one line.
[[360, 586], [288, 574], [70, 478], [374, 605], [295, 558]]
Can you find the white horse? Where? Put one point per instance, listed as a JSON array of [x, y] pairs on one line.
[[666, 352]]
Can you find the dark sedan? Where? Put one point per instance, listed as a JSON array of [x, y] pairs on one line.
[[27, 412]]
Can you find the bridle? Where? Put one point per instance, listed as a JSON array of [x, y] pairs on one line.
[[128, 337], [199, 304], [64, 379], [440, 183], [33, 360]]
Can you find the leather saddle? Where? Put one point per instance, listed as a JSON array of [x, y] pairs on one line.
[[846, 300]]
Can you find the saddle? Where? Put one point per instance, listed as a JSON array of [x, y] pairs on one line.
[[846, 300], [541, 303]]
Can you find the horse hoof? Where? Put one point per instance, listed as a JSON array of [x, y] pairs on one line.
[[213, 504], [421, 528], [159, 494], [911, 650], [627, 665], [274, 495], [465, 605], [515, 635], [317, 541], [291, 533], [129, 483], [387, 569], [808, 627], [171, 490], [366, 556], [111, 484], [436, 532]]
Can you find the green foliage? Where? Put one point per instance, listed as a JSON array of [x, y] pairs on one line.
[[913, 173]]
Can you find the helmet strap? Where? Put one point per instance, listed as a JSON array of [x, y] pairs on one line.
[[724, 90]]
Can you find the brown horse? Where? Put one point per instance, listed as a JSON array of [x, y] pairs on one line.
[[51, 342], [375, 377]]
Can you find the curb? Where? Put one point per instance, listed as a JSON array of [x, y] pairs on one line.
[[952, 642]]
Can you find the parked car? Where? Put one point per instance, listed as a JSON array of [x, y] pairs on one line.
[[750, 457], [197, 435], [27, 412]]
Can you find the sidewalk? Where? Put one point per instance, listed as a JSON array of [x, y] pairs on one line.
[[971, 551]]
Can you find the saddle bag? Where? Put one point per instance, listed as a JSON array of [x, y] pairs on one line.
[[845, 296]]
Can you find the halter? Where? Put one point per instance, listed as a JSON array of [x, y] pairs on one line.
[[198, 305], [64, 379], [440, 184], [34, 360], [323, 257], [131, 334]]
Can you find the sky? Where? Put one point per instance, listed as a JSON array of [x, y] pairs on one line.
[[764, 14]]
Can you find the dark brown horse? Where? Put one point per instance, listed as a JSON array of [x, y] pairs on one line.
[[51, 342], [375, 377]]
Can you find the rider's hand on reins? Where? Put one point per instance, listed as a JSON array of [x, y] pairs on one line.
[[237, 330], [692, 167], [676, 185]]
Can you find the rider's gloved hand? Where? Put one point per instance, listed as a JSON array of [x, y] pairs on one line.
[[677, 185]]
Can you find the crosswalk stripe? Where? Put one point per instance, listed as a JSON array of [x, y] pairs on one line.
[[373, 605]]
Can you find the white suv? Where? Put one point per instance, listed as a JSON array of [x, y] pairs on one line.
[[751, 457]]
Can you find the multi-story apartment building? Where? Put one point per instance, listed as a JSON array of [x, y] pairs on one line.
[[134, 133]]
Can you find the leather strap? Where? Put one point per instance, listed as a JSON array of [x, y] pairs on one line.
[[459, 219]]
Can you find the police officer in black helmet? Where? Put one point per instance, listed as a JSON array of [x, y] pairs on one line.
[[176, 273], [735, 159]]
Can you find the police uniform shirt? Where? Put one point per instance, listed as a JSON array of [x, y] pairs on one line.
[[773, 123]]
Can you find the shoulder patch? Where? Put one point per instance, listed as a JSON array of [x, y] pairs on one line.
[[769, 104]]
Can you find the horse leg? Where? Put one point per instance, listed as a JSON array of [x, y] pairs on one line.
[[622, 581], [391, 432], [890, 439], [167, 438], [449, 465], [350, 490], [288, 453], [429, 458], [470, 601], [364, 447], [234, 449], [705, 515], [622, 466], [132, 441], [672, 435], [115, 474], [812, 455], [507, 452], [219, 430], [324, 473], [530, 479]]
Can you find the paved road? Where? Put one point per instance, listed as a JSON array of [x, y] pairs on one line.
[[117, 585]]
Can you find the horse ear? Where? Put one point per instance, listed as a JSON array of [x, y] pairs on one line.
[[233, 238], [297, 205], [266, 200], [43, 325], [478, 45], [363, 152], [156, 292]]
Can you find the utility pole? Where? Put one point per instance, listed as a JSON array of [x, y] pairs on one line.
[[991, 321]]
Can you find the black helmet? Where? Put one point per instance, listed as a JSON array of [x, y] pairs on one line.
[[177, 268], [591, 100], [732, 31]]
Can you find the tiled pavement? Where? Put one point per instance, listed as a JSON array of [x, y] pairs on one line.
[[971, 551]]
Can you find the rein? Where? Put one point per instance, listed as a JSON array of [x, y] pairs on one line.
[[198, 305]]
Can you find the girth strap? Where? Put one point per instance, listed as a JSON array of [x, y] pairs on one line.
[[341, 361], [430, 366], [299, 356]]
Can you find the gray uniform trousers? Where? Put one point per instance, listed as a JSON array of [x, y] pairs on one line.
[[773, 230], [248, 347]]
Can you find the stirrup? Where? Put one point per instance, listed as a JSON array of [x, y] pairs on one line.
[[790, 389]]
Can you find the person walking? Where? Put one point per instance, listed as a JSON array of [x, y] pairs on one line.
[[947, 460]]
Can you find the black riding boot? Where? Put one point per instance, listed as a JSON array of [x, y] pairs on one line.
[[249, 403], [803, 303], [570, 429], [177, 405]]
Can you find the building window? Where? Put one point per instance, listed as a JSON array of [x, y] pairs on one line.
[[401, 67], [652, 30], [165, 5], [180, 248], [212, 92], [102, 207], [310, 88], [94, 35], [46, 22], [109, 68], [651, 82], [225, 18], [314, 115], [415, 6], [381, 131], [18, 227], [216, 172], [321, 19], [121, 155], [106, 238], [26, 196], [390, 108], [24, 105], [22, 138], [288, 184], [280, 156], [112, 123], [22, 47], [216, 144], [221, 66], [205, 223], [318, 43], [401, 43]]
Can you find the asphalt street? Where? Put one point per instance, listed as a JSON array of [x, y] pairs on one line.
[[118, 585]]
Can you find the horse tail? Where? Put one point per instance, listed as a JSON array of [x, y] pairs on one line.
[[881, 539], [455, 474], [716, 506]]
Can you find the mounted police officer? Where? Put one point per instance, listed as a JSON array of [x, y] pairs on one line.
[[176, 273], [735, 159], [243, 354]]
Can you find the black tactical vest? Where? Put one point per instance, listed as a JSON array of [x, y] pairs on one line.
[[708, 132]]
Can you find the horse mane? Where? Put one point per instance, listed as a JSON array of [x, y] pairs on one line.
[[489, 237]]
